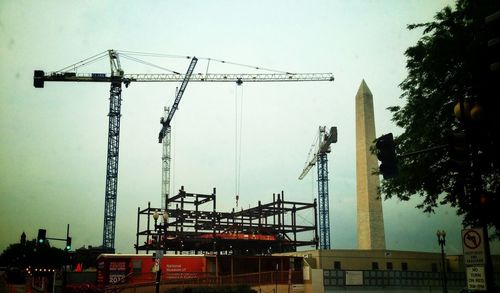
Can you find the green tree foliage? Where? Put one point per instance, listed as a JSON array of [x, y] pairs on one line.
[[448, 64]]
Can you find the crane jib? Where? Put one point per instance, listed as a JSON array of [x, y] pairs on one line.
[[40, 77], [177, 100]]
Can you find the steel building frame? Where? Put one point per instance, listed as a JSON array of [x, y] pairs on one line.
[[195, 226]]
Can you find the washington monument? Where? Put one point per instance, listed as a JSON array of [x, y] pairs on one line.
[[370, 217]]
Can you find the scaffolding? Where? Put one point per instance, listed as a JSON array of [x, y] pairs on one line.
[[192, 224]]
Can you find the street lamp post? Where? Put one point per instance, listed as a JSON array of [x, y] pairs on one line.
[[441, 235], [165, 226], [159, 252]]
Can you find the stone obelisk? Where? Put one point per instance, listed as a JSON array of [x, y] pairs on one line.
[[369, 204]]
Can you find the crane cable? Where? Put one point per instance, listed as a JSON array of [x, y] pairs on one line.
[[85, 61], [128, 55], [238, 134], [312, 151], [148, 63], [161, 55]]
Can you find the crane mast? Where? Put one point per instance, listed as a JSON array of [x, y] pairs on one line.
[[321, 160], [114, 115], [166, 160], [116, 78]]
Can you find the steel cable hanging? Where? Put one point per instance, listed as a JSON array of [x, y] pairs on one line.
[[238, 127], [241, 138]]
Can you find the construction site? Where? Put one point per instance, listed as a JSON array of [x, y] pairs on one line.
[[280, 245], [188, 241], [227, 244]]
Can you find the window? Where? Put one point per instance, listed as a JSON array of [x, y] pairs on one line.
[[389, 266], [336, 265], [404, 266], [374, 265]]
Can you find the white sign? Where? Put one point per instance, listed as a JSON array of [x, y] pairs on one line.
[[297, 287], [473, 246], [476, 278], [354, 278]]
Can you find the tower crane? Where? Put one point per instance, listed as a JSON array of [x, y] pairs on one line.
[[326, 138], [116, 78], [165, 133]]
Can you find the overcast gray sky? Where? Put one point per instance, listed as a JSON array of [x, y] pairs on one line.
[[54, 140]]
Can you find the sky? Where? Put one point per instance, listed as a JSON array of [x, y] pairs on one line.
[[54, 140]]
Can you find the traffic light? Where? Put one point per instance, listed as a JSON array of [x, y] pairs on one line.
[[459, 152], [68, 243], [492, 23], [386, 154], [41, 239]]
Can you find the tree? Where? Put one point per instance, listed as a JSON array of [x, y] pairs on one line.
[[449, 66], [23, 255]]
